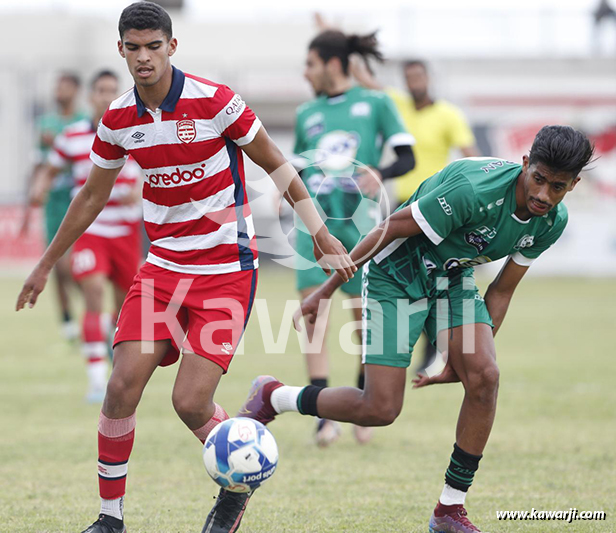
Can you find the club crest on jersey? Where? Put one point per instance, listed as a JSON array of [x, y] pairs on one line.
[[186, 130], [476, 240], [525, 242]]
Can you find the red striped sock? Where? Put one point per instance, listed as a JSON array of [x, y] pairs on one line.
[[115, 442], [219, 416], [93, 337]]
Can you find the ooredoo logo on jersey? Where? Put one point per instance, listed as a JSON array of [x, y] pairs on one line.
[[177, 176]]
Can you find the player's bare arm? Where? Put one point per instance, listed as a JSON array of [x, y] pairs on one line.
[[501, 290], [399, 225], [328, 250], [85, 207], [38, 190], [41, 184]]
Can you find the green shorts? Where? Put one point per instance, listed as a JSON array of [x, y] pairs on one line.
[[313, 276], [55, 209], [395, 314]]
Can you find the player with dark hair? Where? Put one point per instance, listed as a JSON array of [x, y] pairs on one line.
[[105, 73], [438, 127], [419, 276], [145, 16], [56, 202], [196, 289], [110, 249], [346, 124]]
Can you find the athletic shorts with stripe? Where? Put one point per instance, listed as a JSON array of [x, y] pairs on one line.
[[395, 313], [203, 314]]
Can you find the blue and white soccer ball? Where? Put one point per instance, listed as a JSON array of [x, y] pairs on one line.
[[240, 454]]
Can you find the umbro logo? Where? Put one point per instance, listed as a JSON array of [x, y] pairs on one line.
[[227, 348], [138, 136]]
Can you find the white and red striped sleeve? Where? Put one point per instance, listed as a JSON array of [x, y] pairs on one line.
[[59, 154], [106, 151], [235, 120]]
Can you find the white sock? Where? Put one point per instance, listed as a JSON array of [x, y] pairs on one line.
[[284, 399], [106, 324], [451, 496], [97, 374], [113, 508]]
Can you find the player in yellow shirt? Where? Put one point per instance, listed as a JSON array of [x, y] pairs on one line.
[[437, 125]]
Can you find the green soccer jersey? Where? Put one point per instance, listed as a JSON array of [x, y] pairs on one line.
[[49, 126], [467, 215], [331, 132]]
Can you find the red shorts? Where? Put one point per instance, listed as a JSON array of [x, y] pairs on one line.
[[202, 314], [118, 258]]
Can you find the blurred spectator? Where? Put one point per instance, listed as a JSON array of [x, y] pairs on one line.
[[437, 125]]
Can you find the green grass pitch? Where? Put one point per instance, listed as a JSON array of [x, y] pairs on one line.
[[552, 447]]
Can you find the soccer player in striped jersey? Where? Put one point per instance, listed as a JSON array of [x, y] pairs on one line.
[[348, 123], [196, 289], [110, 249]]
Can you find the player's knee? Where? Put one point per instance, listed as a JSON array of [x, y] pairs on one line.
[[483, 385], [379, 414], [121, 389], [191, 409], [385, 417], [182, 405]]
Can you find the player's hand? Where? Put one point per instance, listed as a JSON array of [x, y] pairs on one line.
[[322, 24], [329, 252], [309, 307], [33, 286], [448, 375], [370, 182]]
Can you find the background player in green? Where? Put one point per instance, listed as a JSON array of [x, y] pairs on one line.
[[474, 211], [48, 127], [345, 124]]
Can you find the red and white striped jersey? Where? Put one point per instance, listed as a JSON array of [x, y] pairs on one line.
[[195, 205], [72, 147]]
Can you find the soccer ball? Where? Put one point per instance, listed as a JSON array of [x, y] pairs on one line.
[[240, 454]]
